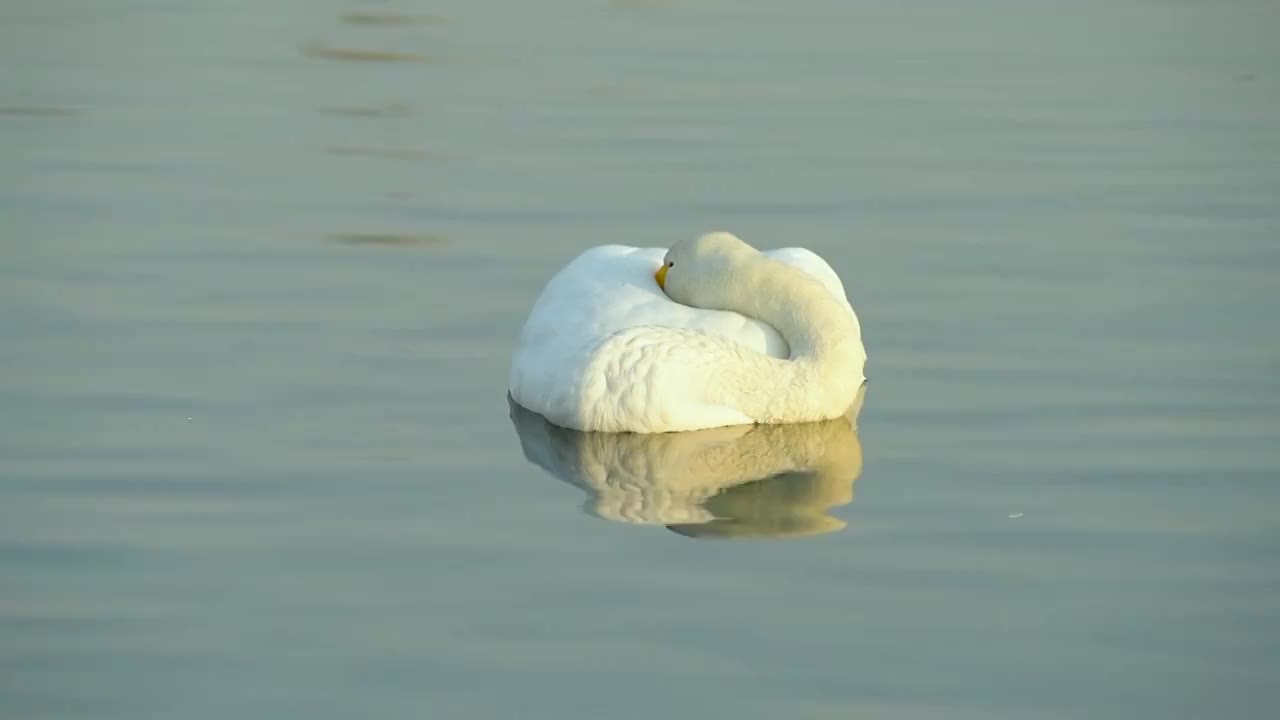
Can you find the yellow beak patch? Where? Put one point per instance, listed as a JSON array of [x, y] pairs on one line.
[[661, 277]]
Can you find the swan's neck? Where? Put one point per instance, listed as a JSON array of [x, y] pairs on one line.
[[822, 377], [802, 309]]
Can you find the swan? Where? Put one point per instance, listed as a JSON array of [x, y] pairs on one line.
[[710, 333], [728, 482]]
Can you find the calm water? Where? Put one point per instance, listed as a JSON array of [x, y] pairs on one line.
[[262, 268]]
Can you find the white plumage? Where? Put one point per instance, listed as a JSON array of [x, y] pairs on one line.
[[605, 348]]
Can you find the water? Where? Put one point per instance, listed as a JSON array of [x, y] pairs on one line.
[[263, 264]]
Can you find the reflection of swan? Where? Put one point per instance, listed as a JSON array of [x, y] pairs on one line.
[[611, 345], [739, 481]]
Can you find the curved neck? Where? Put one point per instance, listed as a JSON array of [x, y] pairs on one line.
[[812, 320], [821, 378]]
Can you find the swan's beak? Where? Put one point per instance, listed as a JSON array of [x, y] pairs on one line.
[[661, 276]]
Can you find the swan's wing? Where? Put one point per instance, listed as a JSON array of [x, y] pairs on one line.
[[610, 290], [657, 379], [812, 263]]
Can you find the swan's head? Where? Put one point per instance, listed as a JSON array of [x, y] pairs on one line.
[[700, 271]]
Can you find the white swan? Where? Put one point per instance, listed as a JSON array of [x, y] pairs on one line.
[[606, 349], [741, 481]]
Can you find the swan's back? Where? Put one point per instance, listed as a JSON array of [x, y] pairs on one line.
[[605, 349]]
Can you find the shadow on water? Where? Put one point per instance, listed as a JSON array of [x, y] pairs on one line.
[[389, 19], [325, 52], [746, 481]]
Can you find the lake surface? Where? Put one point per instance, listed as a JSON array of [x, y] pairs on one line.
[[263, 265]]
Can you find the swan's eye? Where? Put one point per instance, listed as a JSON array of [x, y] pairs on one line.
[[671, 263]]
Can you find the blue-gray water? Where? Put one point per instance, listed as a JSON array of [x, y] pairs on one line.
[[262, 265]]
